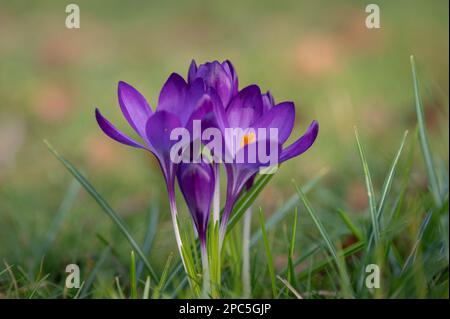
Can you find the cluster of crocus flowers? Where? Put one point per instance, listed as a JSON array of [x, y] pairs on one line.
[[211, 95]]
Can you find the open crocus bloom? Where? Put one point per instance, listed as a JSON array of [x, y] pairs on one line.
[[179, 103], [250, 110], [211, 95]]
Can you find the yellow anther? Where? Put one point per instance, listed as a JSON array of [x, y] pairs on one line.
[[248, 138]]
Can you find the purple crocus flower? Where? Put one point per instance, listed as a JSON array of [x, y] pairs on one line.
[[268, 102], [221, 77], [179, 103], [197, 182], [221, 83], [250, 110], [210, 94]]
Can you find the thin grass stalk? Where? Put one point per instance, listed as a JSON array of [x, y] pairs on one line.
[[246, 284]]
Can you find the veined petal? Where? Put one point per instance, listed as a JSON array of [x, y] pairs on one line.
[[113, 132], [268, 101], [173, 95], [134, 107], [242, 118], [216, 77], [302, 144], [194, 96], [260, 154], [229, 68], [158, 129], [204, 111], [245, 107], [196, 181], [237, 177], [249, 183], [280, 117], [192, 71]]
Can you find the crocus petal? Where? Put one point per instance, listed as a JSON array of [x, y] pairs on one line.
[[280, 117], [249, 183], [214, 76], [262, 153], [114, 133], [302, 144], [192, 71], [228, 67], [242, 118], [194, 95], [159, 127], [237, 177], [268, 101], [134, 107], [245, 107], [204, 111], [212, 115], [172, 96], [196, 181]]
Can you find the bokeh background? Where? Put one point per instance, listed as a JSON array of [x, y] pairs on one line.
[[317, 53]]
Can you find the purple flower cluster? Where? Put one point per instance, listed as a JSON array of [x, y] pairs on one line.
[[210, 94]]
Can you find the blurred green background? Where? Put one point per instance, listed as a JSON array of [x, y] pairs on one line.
[[317, 53]]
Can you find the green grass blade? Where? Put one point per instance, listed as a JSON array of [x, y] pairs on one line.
[[9, 270], [386, 187], [248, 199], [105, 207], [133, 281], [293, 233], [350, 250], [240, 208], [84, 291], [242, 204], [268, 254], [431, 170], [318, 223], [389, 178], [340, 263], [37, 285], [289, 286], [162, 282], [150, 235], [77, 295], [119, 289], [406, 176], [370, 191], [146, 294], [286, 209], [63, 210], [350, 225], [177, 270], [5, 270], [309, 254], [410, 260], [291, 272]]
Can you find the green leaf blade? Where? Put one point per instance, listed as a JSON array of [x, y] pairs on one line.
[[429, 163], [105, 207], [370, 190]]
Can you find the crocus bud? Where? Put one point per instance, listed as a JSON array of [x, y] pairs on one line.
[[219, 76], [196, 181]]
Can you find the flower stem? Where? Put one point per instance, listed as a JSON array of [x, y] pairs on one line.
[[205, 268], [246, 253], [216, 196], [174, 214], [224, 222]]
